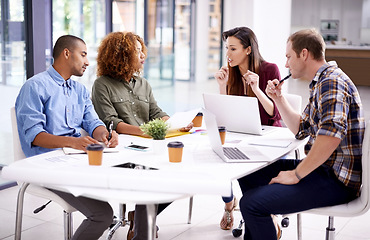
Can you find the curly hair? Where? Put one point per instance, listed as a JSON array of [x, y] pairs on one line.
[[117, 55]]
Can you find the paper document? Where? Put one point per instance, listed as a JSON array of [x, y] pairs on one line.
[[182, 119], [271, 143], [69, 151]]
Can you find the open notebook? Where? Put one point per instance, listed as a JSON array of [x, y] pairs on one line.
[[69, 151]]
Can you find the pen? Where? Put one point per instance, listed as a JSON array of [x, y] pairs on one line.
[[110, 130], [282, 80]]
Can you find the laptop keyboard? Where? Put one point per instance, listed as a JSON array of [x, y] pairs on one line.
[[234, 153]]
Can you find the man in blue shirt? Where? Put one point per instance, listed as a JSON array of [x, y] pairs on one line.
[[51, 110]]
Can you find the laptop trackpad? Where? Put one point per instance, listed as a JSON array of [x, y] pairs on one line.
[[252, 153]]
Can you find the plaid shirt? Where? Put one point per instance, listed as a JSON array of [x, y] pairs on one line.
[[335, 110]]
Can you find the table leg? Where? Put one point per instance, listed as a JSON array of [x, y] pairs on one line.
[[151, 210]]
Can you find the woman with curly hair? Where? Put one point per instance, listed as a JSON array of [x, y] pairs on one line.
[[119, 94]]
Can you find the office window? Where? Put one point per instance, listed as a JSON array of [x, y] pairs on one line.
[[124, 15], [84, 19], [183, 32], [214, 38], [12, 43]]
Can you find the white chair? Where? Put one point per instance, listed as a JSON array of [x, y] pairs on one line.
[[36, 190], [354, 208], [296, 102]]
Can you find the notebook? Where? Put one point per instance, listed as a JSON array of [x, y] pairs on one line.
[[237, 113], [70, 151], [230, 152]]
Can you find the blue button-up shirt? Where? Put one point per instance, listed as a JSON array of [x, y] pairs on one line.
[[48, 103]]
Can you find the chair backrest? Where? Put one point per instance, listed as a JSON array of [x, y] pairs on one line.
[[17, 149], [365, 190], [295, 101], [361, 204]]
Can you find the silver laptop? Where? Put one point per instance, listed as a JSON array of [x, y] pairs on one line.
[[231, 152], [237, 113]]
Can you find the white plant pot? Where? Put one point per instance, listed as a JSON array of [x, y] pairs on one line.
[[160, 146]]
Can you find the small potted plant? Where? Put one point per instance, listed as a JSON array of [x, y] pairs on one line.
[[157, 129]]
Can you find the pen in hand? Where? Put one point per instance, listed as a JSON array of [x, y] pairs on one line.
[[110, 130], [282, 80]]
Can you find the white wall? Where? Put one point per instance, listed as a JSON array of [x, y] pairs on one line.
[[201, 40], [269, 19], [306, 14], [366, 14]]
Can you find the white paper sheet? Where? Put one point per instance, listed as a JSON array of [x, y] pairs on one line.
[[271, 143], [182, 119]]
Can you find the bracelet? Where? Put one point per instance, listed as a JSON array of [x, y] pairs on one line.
[[296, 174]]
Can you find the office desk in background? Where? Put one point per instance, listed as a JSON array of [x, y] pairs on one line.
[[200, 172]]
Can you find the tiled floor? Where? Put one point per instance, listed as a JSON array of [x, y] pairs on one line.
[[207, 210]]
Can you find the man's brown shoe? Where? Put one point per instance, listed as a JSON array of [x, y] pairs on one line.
[[131, 232], [131, 218]]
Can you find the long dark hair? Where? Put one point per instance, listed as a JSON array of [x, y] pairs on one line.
[[247, 38]]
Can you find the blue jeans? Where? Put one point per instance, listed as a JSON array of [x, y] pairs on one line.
[[318, 189], [228, 199]]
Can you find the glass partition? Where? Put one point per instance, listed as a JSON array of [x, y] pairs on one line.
[[12, 43], [85, 19], [159, 39], [183, 33], [124, 15], [215, 42]]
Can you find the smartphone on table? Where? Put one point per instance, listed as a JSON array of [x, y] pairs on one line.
[[137, 147]]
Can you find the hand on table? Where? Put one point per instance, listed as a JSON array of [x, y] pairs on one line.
[[187, 128]]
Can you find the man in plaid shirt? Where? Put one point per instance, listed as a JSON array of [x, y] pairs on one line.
[[333, 120]]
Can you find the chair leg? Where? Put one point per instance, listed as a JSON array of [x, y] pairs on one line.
[[297, 154], [151, 211], [190, 209], [330, 230], [68, 226], [299, 226], [19, 211], [121, 221]]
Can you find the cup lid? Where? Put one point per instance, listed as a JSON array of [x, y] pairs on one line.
[[199, 114], [175, 144], [221, 128], [95, 147]]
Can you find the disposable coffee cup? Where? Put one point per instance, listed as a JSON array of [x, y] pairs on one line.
[[95, 154], [197, 121], [222, 131], [175, 151]]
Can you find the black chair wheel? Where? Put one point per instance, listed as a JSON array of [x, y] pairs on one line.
[[285, 222], [237, 232]]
